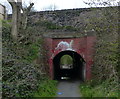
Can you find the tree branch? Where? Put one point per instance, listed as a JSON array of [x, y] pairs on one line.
[[12, 2], [30, 6], [27, 10]]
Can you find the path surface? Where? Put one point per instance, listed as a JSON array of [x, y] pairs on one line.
[[68, 88]]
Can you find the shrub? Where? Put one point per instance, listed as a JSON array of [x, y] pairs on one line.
[[21, 76]]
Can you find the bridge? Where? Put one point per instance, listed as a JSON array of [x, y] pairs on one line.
[[80, 46]]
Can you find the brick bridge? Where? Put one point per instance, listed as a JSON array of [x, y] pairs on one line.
[[78, 45]]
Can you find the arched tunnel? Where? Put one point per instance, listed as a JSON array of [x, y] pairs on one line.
[[74, 70]]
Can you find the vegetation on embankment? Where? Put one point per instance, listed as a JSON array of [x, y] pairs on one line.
[[105, 70], [24, 66], [24, 62], [47, 88], [101, 90]]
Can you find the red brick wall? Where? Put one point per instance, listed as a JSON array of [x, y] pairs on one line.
[[83, 46]]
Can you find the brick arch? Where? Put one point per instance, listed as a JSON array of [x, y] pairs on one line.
[[78, 70], [84, 46]]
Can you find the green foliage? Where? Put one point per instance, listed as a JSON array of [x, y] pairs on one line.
[[53, 26], [70, 28], [33, 50], [85, 90], [21, 76], [101, 90], [19, 79], [47, 88], [104, 70], [66, 59], [108, 54], [48, 25], [6, 30]]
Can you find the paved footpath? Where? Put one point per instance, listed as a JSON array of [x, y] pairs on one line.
[[68, 88]]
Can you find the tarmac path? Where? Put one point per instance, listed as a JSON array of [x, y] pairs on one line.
[[68, 88]]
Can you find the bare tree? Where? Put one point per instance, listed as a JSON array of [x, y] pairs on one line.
[[17, 23], [16, 17], [26, 11], [97, 3]]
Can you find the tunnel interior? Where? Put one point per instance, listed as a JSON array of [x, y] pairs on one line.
[[75, 66]]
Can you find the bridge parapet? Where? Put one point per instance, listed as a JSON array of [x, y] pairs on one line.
[[58, 35]]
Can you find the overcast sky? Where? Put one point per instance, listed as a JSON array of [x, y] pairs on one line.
[[40, 5], [60, 4]]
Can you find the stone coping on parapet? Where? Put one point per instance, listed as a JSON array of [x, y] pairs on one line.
[[68, 34]]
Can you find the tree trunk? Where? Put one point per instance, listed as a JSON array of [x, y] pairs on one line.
[[24, 20], [17, 23], [19, 7], [26, 11], [14, 31], [16, 17]]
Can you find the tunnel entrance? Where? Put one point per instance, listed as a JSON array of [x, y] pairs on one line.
[[69, 65]]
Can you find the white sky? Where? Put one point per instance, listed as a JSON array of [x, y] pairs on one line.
[[61, 4], [40, 5]]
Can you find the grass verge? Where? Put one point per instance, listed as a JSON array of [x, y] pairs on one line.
[[97, 91], [47, 88]]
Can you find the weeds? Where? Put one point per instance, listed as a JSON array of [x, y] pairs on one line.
[[97, 91], [47, 88]]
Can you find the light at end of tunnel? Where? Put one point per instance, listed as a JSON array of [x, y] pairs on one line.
[[65, 77]]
